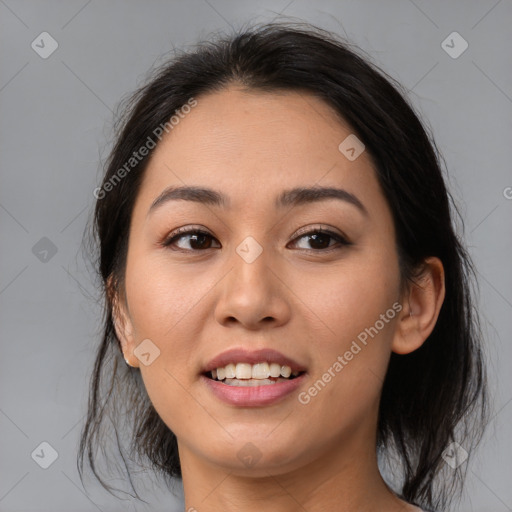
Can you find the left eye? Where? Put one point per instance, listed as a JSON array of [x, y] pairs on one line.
[[321, 239]]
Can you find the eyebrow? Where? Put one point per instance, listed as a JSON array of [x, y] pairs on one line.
[[292, 197]]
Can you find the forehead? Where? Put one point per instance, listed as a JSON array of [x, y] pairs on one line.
[[253, 144]]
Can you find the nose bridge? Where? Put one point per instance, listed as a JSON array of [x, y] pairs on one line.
[[251, 292], [250, 265], [250, 250]]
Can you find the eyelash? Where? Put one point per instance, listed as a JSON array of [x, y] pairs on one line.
[[181, 232]]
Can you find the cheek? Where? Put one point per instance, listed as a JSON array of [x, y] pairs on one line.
[[165, 305], [163, 299], [355, 306], [352, 296]]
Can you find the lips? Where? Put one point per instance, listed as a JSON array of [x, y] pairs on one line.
[[258, 396], [240, 355]]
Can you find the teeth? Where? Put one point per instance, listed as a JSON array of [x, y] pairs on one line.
[[243, 371], [258, 372], [286, 371], [249, 383], [275, 370], [230, 371]]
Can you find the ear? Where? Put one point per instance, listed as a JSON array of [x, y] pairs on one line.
[[122, 322], [421, 302]]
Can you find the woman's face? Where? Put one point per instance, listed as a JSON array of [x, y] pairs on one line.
[[257, 281]]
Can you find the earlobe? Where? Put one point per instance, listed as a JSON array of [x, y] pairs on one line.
[[422, 304]]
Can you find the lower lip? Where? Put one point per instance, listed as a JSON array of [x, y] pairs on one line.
[[254, 396]]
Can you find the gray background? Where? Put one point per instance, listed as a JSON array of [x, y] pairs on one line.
[[55, 120]]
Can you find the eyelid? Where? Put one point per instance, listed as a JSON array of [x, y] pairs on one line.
[[321, 228], [185, 230]]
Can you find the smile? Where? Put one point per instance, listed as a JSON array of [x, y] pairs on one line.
[[246, 374]]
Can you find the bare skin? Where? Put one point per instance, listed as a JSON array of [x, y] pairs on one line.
[[307, 300]]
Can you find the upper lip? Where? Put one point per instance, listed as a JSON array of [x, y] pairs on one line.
[[240, 355]]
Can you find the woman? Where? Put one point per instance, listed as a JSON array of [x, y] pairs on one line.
[[283, 280]]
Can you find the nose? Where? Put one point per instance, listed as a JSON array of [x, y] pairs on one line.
[[254, 293]]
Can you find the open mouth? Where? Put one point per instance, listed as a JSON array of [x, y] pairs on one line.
[[251, 382]]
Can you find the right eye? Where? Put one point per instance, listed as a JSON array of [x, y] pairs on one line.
[[198, 239]]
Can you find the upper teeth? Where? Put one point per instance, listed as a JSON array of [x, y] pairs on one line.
[[252, 371]]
